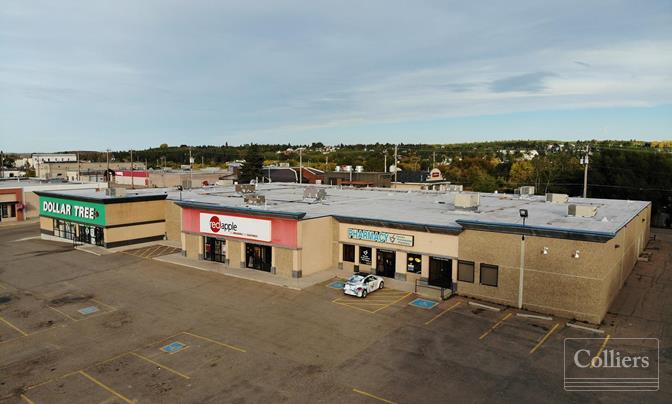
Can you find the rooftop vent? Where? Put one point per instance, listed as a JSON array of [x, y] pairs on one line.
[[467, 200], [314, 194], [115, 192], [557, 198], [455, 188], [246, 188], [525, 191], [581, 210], [254, 199]]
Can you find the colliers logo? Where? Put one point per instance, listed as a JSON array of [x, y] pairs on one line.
[[611, 364], [216, 225]]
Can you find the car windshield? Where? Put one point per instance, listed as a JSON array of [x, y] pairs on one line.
[[356, 278]]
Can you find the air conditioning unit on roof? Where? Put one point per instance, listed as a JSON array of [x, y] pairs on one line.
[[467, 200], [581, 210], [557, 198]]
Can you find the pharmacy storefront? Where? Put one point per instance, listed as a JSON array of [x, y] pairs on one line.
[[261, 241], [403, 252], [79, 221]]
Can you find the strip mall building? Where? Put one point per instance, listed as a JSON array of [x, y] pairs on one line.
[[576, 253]]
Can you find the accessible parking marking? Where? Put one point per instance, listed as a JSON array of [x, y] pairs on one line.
[[14, 327], [423, 303], [494, 327]]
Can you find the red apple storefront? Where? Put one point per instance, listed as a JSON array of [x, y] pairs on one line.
[[244, 238]]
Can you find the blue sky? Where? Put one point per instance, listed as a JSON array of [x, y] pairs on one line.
[[122, 74]]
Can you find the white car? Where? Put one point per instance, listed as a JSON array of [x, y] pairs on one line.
[[361, 284]]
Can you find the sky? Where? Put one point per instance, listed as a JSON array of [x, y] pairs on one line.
[[88, 75]]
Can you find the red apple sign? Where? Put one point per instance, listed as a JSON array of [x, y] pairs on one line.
[[215, 225]]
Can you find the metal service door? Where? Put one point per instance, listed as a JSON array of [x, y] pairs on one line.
[[441, 272]]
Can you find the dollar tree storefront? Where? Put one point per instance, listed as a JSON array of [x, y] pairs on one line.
[[93, 217]]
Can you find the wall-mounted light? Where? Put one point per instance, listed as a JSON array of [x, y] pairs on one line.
[[576, 254], [545, 251]]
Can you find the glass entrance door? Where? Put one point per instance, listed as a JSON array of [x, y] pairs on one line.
[[258, 257], [385, 263], [214, 249]]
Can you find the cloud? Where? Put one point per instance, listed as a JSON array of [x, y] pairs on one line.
[[530, 82], [226, 67]]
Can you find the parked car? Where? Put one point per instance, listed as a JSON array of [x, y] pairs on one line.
[[361, 284]]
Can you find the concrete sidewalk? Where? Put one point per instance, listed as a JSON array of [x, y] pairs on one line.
[[252, 274]]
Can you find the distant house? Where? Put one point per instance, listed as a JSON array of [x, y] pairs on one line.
[[291, 174]]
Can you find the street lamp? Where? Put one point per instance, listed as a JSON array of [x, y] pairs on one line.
[[524, 215]]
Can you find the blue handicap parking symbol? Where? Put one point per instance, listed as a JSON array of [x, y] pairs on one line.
[[423, 303], [88, 310], [173, 347], [336, 285]]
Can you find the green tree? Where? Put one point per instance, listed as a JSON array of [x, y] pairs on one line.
[[163, 146], [522, 172], [481, 181], [252, 167]]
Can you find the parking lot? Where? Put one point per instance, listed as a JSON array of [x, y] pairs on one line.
[[76, 327]]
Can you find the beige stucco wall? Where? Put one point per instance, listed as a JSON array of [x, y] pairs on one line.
[[192, 245], [234, 253], [47, 224], [316, 240], [133, 212], [555, 283], [32, 205], [173, 215], [124, 233], [284, 262]]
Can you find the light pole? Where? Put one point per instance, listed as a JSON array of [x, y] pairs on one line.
[[523, 215], [301, 165], [584, 161]]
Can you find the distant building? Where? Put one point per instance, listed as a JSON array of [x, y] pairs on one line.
[[56, 170], [291, 174], [422, 180], [358, 179]]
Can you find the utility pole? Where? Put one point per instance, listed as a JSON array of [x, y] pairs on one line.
[[2, 164], [385, 161], [107, 173], [79, 168], [434, 160], [132, 176], [191, 161], [300, 165], [584, 161], [395, 163]]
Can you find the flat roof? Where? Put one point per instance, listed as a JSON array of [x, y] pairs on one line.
[[101, 196], [423, 210]]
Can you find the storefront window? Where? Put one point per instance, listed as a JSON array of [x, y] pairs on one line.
[[214, 249], [414, 263], [365, 255], [348, 253], [465, 271], [64, 229]]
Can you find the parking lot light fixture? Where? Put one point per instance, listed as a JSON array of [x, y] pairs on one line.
[[523, 214]]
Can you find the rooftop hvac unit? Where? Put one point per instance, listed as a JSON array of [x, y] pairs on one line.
[[254, 199], [246, 188], [581, 210], [526, 191], [455, 188], [337, 169], [314, 194], [359, 169], [557, 198], [348, 169], [115, 192], [467, 200]]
